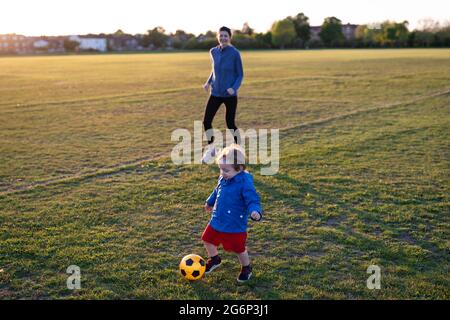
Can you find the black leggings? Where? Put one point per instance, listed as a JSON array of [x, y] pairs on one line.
[[230, 114]]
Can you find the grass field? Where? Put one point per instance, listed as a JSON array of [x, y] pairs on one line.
[[86, 176]]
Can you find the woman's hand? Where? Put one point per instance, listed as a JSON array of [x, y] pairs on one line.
[[230, 91], [208, 208], [256, 215], [206, 86]]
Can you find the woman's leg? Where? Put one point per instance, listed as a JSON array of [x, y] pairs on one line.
[[230, 116], [211, 109]]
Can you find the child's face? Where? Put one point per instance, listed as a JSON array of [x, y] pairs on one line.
[[227, 171]]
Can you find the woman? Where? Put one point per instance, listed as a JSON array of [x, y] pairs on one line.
[[224, 82]]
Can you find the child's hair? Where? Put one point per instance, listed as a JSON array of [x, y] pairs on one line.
[[233, 154]]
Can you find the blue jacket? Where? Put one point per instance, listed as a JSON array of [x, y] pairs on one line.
[[233, 201], [227, 71]]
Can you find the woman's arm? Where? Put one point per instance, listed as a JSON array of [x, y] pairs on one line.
[[209, 81], [240, 72], [210, 78]]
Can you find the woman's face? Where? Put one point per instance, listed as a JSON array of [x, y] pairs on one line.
[[224, 38]]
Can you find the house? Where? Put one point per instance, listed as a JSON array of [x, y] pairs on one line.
[[348, 30], [123, 42], [314, 32], [13, 43], [202, 38], [97, 44], [54, 44], [40, 44]]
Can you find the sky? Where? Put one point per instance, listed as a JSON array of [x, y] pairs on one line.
[[66, 17]]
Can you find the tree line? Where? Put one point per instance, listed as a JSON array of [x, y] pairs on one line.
[[296, 32]]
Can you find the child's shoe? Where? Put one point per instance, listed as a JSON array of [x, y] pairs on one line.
[[246, 273], [212, 264]]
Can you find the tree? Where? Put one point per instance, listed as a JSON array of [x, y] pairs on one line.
[[155, 37], [263, 40], [283, 33], [430, 33], [246, 29], [429, 25], [368, 35], [360, 33], [395, 34], [331, 31], [302, 27], [442, 36], [70, 45], [192, 43], [210, 34], [182, 35], [119, 32], [180, 39]]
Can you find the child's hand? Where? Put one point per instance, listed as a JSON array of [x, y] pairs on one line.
[[230, 91], [206, 87], [208, 208], [256, 215]]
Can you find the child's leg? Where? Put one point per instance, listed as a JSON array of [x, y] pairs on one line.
[[214, 260], [211, 249], [244, 258], [246, 269]]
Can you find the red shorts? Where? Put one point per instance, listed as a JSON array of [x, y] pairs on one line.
[[234, 242]]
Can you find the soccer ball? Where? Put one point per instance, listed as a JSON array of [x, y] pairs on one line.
[[192, 267]]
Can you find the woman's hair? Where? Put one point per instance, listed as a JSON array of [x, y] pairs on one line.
[[226, 29], [233, 154]]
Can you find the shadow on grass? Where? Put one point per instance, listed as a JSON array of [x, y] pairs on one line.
[[356, 240], [259, 285], [203, 290]]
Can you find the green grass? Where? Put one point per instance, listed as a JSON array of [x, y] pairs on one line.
[[364, 175]]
